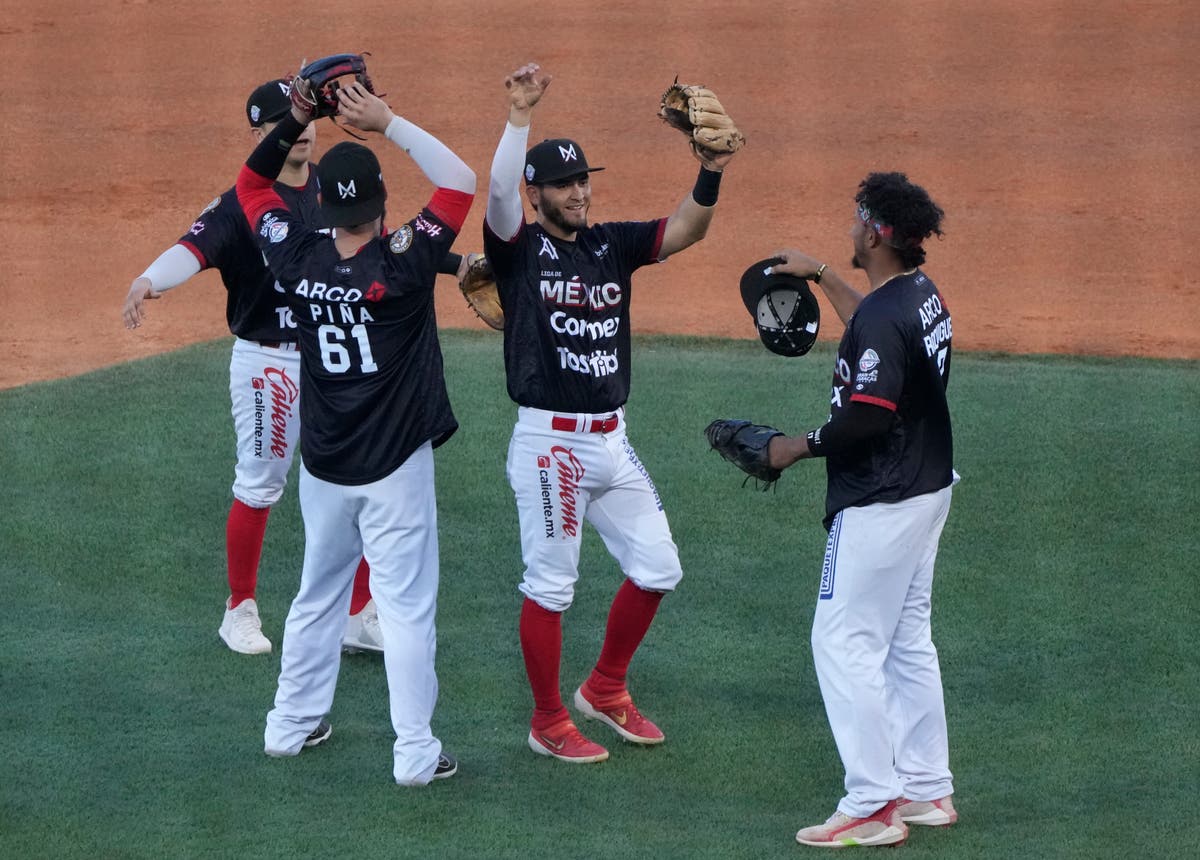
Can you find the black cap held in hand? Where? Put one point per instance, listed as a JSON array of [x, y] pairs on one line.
[[784, 309]]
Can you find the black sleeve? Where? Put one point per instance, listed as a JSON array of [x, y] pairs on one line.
[[268, 157], [449, 266], [858, 424]]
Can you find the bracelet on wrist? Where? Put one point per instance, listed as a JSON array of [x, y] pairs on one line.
[[816, 279]]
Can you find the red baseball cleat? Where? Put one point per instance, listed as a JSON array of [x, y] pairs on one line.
[[564, 742], [620, 714]]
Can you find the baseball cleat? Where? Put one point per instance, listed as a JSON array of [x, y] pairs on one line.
[[362, 631], [316, 737], [883, 827], [242, 630], [620, 714], [447, 766], [564, 742], [931, 813]]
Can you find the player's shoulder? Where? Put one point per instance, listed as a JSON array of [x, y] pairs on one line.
[[220, 205]]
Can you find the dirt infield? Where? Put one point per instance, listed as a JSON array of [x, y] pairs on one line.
[[1060, 136]]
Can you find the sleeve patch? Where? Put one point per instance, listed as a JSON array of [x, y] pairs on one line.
[[401, 239]]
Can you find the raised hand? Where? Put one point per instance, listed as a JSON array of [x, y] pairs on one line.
[[525, 86], [363, 109]]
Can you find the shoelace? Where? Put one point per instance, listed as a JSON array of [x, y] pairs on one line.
[[246, 624]]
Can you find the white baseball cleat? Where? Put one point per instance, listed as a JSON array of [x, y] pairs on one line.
[[931, 813], [242, 630], [362, 631], [884, 827]]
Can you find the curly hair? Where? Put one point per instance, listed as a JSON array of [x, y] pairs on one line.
[[907, 208]]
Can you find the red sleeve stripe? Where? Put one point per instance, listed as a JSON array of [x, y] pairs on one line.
[[658, 240], [256, 195], [874, 401], [451, 207], [196, 253]]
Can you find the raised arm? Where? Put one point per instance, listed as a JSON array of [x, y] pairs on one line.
[[454, 179], [441, 166], [505, 212], [844, 298], [690, 222]]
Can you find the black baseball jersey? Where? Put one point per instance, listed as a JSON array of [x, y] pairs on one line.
[[895, 353], [371, 381], [566, 311], [221, 239]]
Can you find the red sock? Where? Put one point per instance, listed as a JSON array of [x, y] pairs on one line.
[[361, 595], [541, 644], [244, 532], [628, 620]]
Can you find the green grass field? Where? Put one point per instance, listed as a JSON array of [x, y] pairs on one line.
[[1066, 611]]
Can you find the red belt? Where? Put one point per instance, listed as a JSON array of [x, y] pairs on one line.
[[568, 424]]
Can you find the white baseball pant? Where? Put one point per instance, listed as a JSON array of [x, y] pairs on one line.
[[264, 392], [393, 523], [561, 478], [874, 653]]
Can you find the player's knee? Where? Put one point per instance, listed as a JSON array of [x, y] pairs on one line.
[[656, 568], [257, 497], [556, 597]]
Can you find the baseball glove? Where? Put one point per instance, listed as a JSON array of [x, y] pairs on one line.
[[478, 285], [314, 89], [696, 112], [745, 445]]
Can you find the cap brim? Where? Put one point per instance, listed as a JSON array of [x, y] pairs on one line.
[[756, 281], [565, 176], [352, 216]]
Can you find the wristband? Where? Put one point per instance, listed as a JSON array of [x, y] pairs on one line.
[[817, 277], [814, 441], [708, 183]]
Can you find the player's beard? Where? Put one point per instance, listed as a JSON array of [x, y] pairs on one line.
[[557, 216]]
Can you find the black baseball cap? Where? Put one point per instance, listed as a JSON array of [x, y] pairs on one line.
[[784, 309], [555, 160], [351, 183], [269, 102]]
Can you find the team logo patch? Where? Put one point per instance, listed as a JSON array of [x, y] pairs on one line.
[[401, 239], [216, 201], [869, 361], [277, 232], [196, 229], [375, 292], [529, 173]]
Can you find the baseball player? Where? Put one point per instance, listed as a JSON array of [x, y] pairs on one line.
[[565, 287], [888, 452], [374, 408], [263, 372]]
